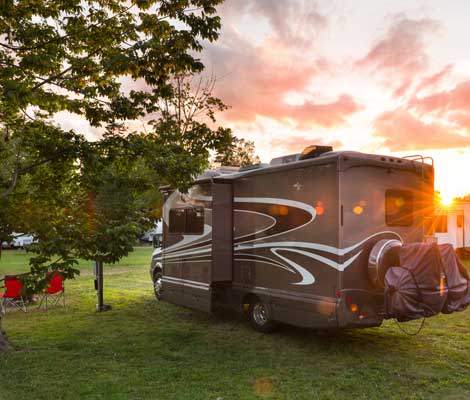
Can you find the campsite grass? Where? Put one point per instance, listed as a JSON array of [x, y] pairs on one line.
[[148, 350]]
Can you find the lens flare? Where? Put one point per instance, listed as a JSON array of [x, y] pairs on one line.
[[447, 200]]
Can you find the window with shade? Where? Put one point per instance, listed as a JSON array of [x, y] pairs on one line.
[[187, 220], [399, 208]]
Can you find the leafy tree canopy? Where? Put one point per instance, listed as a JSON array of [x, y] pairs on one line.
[[237, 153], [111, 62]]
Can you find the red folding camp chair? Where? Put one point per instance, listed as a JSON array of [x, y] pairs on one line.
[[55, 291], [12, 295]]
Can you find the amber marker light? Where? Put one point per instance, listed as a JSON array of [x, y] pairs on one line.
[[358, 210], [319, 209], [353, 307]]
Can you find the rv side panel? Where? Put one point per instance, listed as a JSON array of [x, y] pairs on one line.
[[222, 232], [286, 239]]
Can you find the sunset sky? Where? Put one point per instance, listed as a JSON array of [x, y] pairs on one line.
[[373, 76], [390, 77]]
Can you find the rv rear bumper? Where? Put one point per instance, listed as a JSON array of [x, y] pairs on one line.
[[359, 308]]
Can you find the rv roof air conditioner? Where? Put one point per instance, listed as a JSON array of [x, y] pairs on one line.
[[314, 151]]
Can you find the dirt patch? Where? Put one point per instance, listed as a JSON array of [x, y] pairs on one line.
[[263, 387]]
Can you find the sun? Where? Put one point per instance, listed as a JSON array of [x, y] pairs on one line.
[[447, 200]]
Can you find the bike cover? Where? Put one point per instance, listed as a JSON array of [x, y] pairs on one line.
[[429, 280]]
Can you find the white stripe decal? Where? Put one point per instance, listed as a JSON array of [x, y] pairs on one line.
[[260, 231], [264, 262], [291, 203], [189, 239], [314, 246], [184, 281], [354, 246], [307, 277]]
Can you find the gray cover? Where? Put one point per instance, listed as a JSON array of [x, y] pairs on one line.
[[457, 280], [429, 280]]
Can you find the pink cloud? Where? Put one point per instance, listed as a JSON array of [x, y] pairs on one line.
[[256, 80], [430, 81], [401, 130], [327, 114], [402, 48], [400, 55], [296, 143], [456, 99]]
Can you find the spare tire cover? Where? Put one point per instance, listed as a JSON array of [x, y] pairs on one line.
[[383, 255]]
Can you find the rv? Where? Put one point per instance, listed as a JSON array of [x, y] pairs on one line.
[[305, 240], [452, 225]]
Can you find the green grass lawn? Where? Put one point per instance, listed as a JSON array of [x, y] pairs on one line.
[[148, 350]]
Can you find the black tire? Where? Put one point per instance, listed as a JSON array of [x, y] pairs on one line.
[[157, 284], [258, 314]]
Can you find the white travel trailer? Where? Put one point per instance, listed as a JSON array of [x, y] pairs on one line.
[[20, 240], [452, 225]]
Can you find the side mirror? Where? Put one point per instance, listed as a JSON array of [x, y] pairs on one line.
[[155, 241]]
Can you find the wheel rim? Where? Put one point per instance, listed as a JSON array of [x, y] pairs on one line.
[[259, 314], [157, 285]]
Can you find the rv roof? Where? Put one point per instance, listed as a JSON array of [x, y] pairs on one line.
[[353, 158]]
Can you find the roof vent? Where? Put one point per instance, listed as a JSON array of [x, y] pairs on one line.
[[285, 159], [212, 173], [254, 166], [314, 151]]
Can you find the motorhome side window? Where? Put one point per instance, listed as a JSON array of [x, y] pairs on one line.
[[195, 220], [399, 208], [187, 220]]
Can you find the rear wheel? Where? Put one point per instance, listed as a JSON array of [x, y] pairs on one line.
[[157, 285], [259, 316]]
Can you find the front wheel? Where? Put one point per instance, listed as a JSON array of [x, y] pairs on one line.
[[157, 285], [259, 317]]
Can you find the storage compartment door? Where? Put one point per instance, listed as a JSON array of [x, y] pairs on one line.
[[222, 232]]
